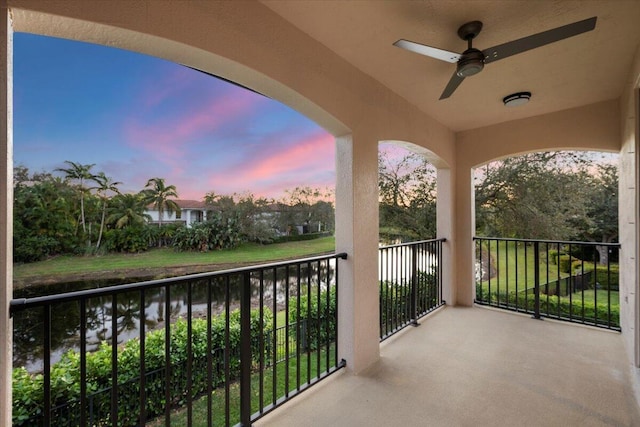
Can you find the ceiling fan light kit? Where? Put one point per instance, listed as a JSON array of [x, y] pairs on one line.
[[472, 60], [516, 99]]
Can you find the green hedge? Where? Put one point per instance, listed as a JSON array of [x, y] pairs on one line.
[[556, 305], [65, 375], [301, 237], [321, 317], [553, 256], [395, 301], [606, 279]]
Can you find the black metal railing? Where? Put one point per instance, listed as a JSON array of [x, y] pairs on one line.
[[571, 281], [410, 277], [250, 339]]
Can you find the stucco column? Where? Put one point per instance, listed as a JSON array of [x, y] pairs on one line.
[[445, 217], [463, 253], [6, 214], [357, 235]]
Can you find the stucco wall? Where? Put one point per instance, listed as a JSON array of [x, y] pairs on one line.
[[628, 207]]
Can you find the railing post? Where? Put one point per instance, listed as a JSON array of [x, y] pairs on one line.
[[414, 285], [245, 350], [536, 276]]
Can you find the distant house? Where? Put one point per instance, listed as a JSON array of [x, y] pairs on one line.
[[191, 211]]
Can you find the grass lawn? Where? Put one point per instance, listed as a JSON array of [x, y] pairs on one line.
[[515, 265], [602, 297], [200, 406], [166, 257]]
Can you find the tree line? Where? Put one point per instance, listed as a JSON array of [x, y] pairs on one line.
[[73, 210], [549, 195]]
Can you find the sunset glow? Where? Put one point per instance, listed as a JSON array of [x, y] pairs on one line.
[[136, 117]]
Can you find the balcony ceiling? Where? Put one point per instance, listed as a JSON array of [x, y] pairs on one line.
[[578, 71]]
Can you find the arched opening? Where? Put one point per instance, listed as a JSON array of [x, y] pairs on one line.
[[410, 258], [408, 195], [167, 310], [546, 232]]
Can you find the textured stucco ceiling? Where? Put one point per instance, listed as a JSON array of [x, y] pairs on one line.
[[582, 70]]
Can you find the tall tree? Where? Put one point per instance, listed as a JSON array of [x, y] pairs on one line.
[[128, 210], [600, 224], [44, 217], [80, 173], [407, 189], [105, 185], [307, 206], [551, 195], [158, 194]]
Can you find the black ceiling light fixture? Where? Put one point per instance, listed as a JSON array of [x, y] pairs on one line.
[[472, 61], [516, 99]]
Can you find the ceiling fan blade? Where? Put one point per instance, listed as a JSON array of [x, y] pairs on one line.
[[433, 52], [453, 84], [531, 42]]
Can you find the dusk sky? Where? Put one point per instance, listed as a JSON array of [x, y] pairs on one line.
[[138, 117]]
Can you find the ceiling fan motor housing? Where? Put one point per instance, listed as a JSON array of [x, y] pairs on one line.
[[470, 63]]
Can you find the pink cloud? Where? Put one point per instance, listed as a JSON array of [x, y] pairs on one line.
[[165, 139], [308, 162]]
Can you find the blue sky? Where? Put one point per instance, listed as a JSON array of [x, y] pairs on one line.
[[138, 117]]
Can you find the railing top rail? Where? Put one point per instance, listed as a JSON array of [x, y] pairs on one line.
[[25, 303], [562, 242], [442, 239]]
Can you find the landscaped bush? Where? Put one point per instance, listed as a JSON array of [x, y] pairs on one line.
[[301, 237], [605, 279], [128, 239], [558, 306], [216, 233], [65, 375], [578, 265], [320, 317], [567, 263], [395, 300], [553, 256]]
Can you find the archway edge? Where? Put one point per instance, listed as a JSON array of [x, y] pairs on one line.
[[42, 23], [594, 127], [432, 157]]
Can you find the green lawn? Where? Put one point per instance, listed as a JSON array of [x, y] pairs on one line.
[[515, 266], [602, 296], [166, 257], [200, 406]]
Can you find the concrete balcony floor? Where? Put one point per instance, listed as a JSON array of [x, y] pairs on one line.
[[478, 367]]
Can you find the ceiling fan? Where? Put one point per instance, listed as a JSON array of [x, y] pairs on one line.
[[472, 60]]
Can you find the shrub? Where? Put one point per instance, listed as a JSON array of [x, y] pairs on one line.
[[567, 263], [34, 248], [132, 239], [605, 279], [301, 237], [216, 233], [554, 255], [395, 300], [320, 317], [578, 265], [65, 375], [563, 306]]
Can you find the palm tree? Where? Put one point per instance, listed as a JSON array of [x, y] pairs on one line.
[[157, 193], [81, 173], [105, 184], [128, 210]]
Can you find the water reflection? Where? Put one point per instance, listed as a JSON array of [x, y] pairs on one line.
[[28, 345]]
